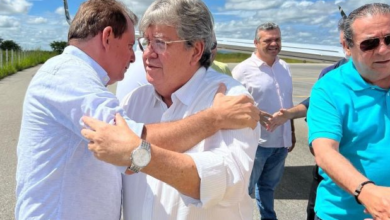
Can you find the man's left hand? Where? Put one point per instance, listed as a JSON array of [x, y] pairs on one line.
[[293, 141], [111, 143]]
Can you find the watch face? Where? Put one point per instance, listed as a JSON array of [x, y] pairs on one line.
[[141, 157]]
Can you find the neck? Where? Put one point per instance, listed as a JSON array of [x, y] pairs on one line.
[[268, 60]]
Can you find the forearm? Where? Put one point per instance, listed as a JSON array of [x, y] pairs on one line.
[[338, 168], [182, 135], [298, 111], [175, 169]]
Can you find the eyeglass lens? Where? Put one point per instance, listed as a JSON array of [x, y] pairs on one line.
[[371, 44]]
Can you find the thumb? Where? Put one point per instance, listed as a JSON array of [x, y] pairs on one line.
[[221, 89], [120, 121]]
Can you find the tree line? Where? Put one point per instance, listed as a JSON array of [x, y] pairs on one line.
[[9, 45], [56, 46]]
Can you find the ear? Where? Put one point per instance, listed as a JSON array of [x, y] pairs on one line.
[[198, 50], [107, 36], [346, 48]]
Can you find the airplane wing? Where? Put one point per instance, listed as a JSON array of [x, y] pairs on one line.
[[309, 52]]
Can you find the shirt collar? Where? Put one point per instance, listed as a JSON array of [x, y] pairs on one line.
[[354, 80], [74, 51], [186, 93], [260, 62]]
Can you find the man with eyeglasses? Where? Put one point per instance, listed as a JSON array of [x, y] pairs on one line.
[[208, 181], [349, 122], [57, 176], [268, 79]]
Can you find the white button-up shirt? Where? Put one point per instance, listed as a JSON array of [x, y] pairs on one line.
[[271, 88], [57, 176], [224, 161]]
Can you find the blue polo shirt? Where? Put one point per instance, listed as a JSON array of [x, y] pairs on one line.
[[345, 108]]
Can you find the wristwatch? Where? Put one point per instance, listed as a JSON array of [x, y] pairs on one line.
[[140, 157]]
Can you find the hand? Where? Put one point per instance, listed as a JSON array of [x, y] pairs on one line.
[[264, 119], [376, 200], [293, 141], [234, 112], [111, 143], [278, 118]]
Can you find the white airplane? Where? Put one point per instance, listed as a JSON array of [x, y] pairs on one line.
[[312, 52]]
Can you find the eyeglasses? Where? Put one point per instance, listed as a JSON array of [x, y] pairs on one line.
[[214, 46], [373, 43], [159, 46]]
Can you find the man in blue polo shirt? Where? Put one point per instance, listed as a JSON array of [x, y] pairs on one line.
[[349, 123]]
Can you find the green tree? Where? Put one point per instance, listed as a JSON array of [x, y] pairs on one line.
[[9, 45], [1, 40], [58, 46]]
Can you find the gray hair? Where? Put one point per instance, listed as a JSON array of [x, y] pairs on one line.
[[341, 24], [191, 18], [363, 11], [265, 27]]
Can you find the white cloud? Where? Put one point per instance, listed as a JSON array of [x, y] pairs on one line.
[[252, 5], [8, 7], [37, 20], [8, 22], [304, 34], [60, 11]]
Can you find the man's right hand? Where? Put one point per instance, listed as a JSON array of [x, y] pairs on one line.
[[234, 112], [278, 118], [376, 200]]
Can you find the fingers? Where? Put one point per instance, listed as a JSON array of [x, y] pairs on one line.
[[91, 122], [221, 90], [265, 114], [88, 134], [120, 121]]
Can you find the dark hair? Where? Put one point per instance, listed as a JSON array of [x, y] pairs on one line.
[[95, 15], [363, 11]]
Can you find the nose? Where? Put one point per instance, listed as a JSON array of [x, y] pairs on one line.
[[149, 52], [132, 56], [383, 47]]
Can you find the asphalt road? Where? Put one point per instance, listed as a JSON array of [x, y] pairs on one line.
[[291, 195]]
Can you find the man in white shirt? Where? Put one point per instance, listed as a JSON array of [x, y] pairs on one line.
[[209, 181], [268, 79], [57, 176], [135, 77]]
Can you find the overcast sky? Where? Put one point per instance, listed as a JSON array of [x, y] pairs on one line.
[[34, 24]]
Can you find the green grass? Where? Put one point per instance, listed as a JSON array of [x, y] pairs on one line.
[[29, 59], [239, 57]]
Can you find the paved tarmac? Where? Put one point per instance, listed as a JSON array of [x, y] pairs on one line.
[[291, 195]]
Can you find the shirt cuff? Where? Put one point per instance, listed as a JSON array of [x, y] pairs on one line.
[[212, 173], [137, 128]]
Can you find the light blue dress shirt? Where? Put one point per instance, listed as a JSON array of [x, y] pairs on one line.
[[345, 108], [57, 176]]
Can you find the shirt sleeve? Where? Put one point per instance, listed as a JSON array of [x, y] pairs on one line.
[[323, 118], [225, 167], [87, 96], [238, 74], [306, 102]]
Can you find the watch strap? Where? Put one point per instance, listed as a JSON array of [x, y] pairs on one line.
[[144, 145], [358, 190]]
